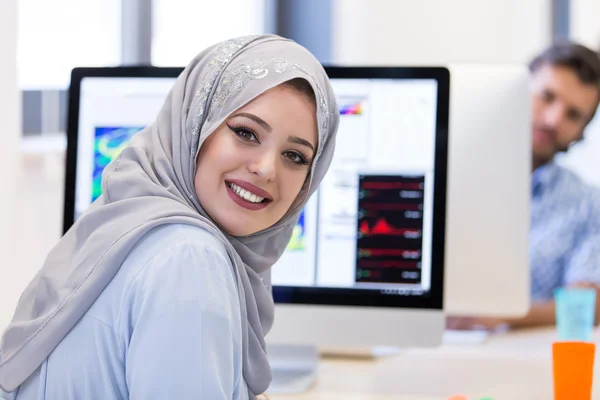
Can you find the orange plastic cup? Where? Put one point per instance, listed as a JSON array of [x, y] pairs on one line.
[[573, 367]]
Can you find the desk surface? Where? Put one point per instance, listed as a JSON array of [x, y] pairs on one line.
[[511, 366]]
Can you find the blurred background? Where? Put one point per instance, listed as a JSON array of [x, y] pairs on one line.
[[42, 40], [53, 36]]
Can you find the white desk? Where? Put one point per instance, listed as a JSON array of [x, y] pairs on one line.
[[512, 366]]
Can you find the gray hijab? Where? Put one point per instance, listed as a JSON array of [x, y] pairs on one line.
[[152, 183]]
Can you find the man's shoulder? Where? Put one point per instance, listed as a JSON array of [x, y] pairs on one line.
[[585, 195], [572, 181]]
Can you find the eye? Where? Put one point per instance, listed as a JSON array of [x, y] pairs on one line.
[[573, 115], [547, 96], [244, 133], [296, 158]]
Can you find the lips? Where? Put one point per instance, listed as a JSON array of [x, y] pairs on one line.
[[543, 136], [247, 195], [251, 188]]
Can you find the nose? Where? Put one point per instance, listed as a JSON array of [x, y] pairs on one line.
[[553, 115], [264, 165]]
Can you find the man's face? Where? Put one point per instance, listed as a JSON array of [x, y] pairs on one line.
[[562, 107]]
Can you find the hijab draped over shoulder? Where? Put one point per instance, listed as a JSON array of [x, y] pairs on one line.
[[151, 183]]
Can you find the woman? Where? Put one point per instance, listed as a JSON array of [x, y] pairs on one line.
[[161, 289]]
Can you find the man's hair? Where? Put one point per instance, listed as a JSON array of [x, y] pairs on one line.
[[584, 62]]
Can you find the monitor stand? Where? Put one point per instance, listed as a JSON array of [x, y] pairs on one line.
[[294, 368]]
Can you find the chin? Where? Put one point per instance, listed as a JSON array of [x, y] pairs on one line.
[[545, 153], [236, 226], [234, 229]]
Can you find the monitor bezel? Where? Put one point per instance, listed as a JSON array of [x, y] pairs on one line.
[[433, 299]]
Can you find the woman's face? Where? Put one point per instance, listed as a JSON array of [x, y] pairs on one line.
[[251, 169]]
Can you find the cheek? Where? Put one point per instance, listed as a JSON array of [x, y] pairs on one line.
[[537, 107], [215, 155], [571, 132], [291, 184], [207, 168]]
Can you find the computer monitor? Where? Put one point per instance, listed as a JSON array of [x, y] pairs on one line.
[[365, 264], [368, 247], [489, 191]]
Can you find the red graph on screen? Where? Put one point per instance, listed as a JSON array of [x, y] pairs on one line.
[[383, 227]]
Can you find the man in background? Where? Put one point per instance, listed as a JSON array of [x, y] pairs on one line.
[[565, 212]]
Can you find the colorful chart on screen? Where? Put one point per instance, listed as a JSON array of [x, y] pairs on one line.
[[108, 144]]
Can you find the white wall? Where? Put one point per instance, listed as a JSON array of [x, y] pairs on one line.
[[439, 31], [585, 28], [585, 22], [9, 137]]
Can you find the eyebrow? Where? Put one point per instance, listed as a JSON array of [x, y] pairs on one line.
[[256, 119], [573, 110], [267, 127], [297, 140]]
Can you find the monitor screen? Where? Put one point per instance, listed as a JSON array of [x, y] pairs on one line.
[[370, 224], [111, 110], [373, 233]]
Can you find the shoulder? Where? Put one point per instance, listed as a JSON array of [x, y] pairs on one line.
[[165, 244], [571, 182], [568, 178], [180, 249], [169, 237], [165, 258], [585, 197], [184, 296], [183, 270], [177, 257]]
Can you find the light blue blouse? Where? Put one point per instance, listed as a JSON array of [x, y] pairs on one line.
[[168, 326]]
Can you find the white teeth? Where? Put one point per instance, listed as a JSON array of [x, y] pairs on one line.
[[244, 194]]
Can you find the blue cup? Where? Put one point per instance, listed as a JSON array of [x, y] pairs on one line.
[[575, 310]]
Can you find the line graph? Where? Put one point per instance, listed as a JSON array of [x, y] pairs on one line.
[[389, 228], [383, 227]]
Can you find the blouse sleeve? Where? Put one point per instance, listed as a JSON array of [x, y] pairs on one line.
[[185, 330]]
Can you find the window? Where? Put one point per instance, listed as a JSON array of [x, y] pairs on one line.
[[183, 28], [56, 36]]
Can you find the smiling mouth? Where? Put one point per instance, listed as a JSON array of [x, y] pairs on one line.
[[246, 195]]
